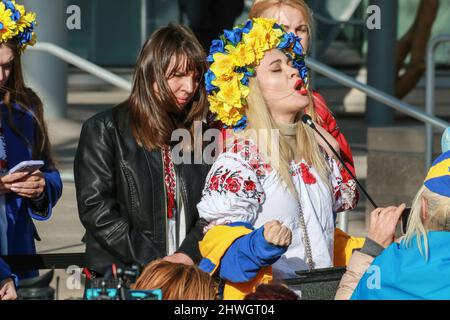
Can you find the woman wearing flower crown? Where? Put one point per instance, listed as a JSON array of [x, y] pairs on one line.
[[255, 87], [23, 136], [296, 17]]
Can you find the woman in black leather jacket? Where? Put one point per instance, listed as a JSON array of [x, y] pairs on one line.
[[135, 204]]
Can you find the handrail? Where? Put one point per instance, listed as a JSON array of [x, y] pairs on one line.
[[376, 94], [430, 92], [83, 64], [341, 23]]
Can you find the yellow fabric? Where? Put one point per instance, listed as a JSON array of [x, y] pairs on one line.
[[238, 291], [439, 170], [214, 246], [344, 245]]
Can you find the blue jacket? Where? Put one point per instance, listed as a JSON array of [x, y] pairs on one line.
[[402, 273], [245, 257], [20, 215], [5, 271]]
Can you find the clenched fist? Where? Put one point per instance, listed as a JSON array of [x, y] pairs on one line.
[[277, 234]]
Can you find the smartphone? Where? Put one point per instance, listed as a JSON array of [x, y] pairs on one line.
[[27, 166], [404, 218]]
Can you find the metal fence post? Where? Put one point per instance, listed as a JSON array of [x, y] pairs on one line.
[[45, 74]]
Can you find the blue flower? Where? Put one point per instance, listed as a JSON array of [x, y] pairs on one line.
[[247, 71], [300, 65], [15, 13], [248, 26], [234, 36], [277, 26], [209, 78], [217, 46], [298, 49], [210, 58], [245, 80], [286, 41], [241, 125]]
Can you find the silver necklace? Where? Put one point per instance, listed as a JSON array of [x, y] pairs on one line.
[[306, 241]]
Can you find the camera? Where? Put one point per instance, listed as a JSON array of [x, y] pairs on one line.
[[115, 285]]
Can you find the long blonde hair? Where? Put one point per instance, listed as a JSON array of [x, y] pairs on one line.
[[438, 218], [258, 9], [260, 120], [177, 281]]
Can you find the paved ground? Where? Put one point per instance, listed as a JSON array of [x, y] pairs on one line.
[[63, 233]]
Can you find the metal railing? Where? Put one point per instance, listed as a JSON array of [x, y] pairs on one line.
[[83, 64], [376, 94], [86, 66], [430, 100], [427, 117]]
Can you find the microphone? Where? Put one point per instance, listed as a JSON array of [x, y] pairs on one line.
[[306, 119]]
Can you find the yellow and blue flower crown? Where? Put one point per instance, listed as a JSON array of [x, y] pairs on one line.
[[233, 59], [17, 24]]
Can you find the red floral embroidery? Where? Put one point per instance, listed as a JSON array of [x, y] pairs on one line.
[[233, 185], [307, 176], [214, 183], [224, 181], [250, 153], [249, 185], [170, 181]]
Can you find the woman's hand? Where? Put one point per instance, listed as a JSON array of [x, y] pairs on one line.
[[277, 234], [31, 186], [8, 180], [8, 290], [383, 222], [331, 140]]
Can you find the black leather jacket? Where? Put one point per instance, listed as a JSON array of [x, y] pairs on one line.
[[121, 195]]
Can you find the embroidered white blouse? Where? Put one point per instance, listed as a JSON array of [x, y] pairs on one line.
[[241, 187]]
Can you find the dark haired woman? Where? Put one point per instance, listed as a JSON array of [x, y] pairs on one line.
[[23, 136], [135, 203]]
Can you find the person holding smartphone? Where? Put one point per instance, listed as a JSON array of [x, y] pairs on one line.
[[24, 195], [415, 266]]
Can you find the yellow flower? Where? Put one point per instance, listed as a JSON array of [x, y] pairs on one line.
[[214, 103], [230, 91], [7, 26], [223, 64], [243, 54], [265, 23], [245, 90], [232, 117], [26, 20]]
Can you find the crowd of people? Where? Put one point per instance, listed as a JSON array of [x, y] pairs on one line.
[[265, 209]]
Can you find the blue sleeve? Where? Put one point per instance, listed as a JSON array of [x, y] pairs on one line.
[[53, 191], [247, 255], [5, 271]]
